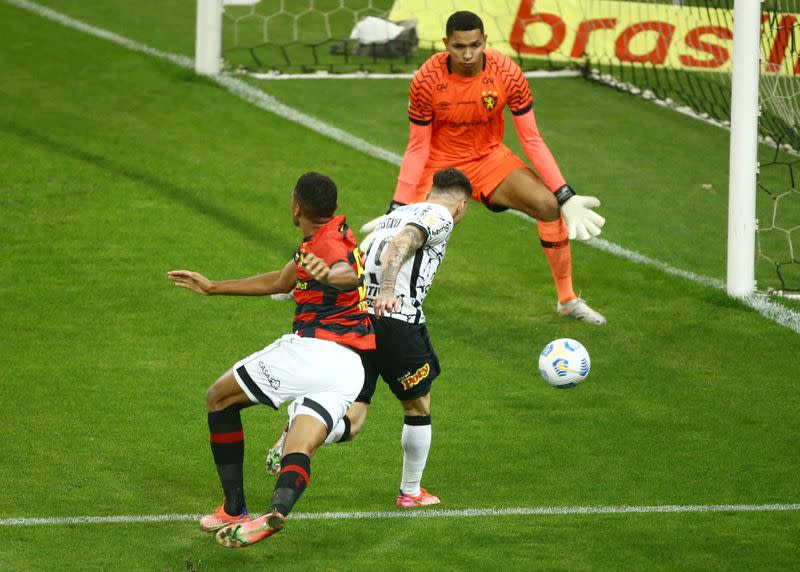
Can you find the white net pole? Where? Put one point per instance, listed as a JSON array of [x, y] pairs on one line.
[[208, 37], [743, 148]]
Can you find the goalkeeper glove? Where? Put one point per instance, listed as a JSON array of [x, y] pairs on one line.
[[582, 222]]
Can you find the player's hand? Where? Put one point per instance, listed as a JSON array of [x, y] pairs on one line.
[[315, 267], [385, 304], [191, 281], [582, 222]]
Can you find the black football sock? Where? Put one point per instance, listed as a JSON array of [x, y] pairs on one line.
[[292, 481], [227, 446]]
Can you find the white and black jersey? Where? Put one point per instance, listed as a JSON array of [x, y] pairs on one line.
[[417, 272]]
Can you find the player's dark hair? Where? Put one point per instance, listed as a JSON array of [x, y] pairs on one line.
[[463, 21], [316, 194], [450, 180]]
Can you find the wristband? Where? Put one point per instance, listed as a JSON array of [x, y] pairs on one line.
[[563, 194]]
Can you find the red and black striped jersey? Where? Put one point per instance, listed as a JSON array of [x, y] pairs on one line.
[[323, 311]]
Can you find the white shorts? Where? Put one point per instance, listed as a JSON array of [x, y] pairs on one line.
[[322, 376]]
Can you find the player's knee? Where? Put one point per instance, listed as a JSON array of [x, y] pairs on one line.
[[547, 208], [216, 398], [213, 401], [417, 408]]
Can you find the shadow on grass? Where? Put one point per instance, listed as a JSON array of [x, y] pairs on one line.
[[183, 195]]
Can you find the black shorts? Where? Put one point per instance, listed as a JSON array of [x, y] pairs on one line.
[[404, 358]]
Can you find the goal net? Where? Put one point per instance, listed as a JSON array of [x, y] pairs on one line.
[[673, 52]]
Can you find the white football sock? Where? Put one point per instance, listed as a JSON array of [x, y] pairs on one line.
[[416, 442]]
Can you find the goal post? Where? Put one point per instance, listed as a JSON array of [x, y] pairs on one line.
[[208, 37], [743, 166]]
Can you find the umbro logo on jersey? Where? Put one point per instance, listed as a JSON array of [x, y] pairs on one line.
[[413, 379]]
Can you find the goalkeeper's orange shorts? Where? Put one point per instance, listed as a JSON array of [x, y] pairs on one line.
[[485, 175]]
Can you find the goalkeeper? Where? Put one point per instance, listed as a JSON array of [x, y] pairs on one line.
[[456, 102]]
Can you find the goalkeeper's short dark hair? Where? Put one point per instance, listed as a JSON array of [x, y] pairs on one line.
[[316, 194], [463, 21], [452, 180]]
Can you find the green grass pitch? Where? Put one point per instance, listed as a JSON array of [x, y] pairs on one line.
[[117, 167]]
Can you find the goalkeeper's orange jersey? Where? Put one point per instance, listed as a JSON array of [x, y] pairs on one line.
[[466, 112]]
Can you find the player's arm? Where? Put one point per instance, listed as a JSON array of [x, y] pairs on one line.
[[537, 151], [401, 248], [261, 285], [582, 222], [340, 274], [420, 130], [414, 159]]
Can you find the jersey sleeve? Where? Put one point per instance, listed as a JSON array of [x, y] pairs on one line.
[[435, 223], [333, 247], [518, 92], [536, 150], [413, 164], [420, 95]]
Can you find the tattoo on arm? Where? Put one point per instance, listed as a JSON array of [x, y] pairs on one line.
[[401, 248]]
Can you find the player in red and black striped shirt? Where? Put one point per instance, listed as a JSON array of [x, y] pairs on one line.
[[317, 367], [323, 311]]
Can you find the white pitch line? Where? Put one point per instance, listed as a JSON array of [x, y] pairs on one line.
[[426, 513], [323, 75], [770, 310]]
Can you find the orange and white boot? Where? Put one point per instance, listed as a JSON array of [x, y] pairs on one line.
[[221, 519], [424, 498], [251, 531]]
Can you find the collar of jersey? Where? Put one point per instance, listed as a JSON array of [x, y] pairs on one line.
[[461, 77]]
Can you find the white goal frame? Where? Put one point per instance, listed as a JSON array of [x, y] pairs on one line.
[[208, 37], [208, 34], [743, 165], [743, 153]]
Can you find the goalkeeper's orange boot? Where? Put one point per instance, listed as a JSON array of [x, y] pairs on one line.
[[221, 519], [424, 498], [252, 531]]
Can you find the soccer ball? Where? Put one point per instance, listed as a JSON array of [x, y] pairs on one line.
[[564, 363]]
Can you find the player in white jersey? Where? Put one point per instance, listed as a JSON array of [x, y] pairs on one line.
[[399, 267], [416, 274]]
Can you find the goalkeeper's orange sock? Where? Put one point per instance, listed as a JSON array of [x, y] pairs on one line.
[[553, 236]]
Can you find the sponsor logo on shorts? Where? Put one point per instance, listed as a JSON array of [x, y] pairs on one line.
[[413, 379], [274, 382]]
